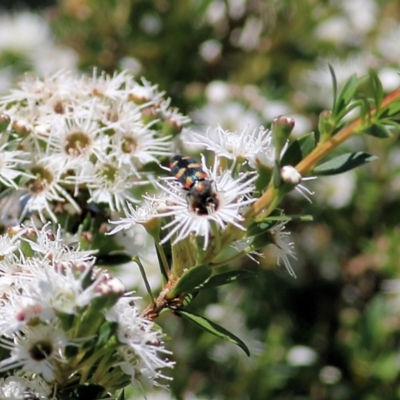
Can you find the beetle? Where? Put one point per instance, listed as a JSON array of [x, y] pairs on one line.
[[202, 195]]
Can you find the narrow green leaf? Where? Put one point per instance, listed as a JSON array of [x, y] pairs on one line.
[[392, 124], [343, 163], [213, 328], [302, 218], [377, 88], [334, 85], [190, 280], [121, 395], [299, 149], [189, 298], [264, 177], [346, 93], [226, 278], [260, 227], [107, 329], [378, 130], [365, 106], [394, 108], [166, 249], [260, 241], [144, 276]]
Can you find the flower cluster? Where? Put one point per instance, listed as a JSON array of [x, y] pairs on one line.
[[64, 322], [211, 203], [83, 139]]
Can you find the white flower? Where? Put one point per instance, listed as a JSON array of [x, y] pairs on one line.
[[84, 134], [13, 388], [291, 176], [173, 115], [104, 85], [249, 144], [140, 215], [37, 349], [24, 386], [59, 286], [43, 189], [9, 245], [142, 93], [226, 198], [52, 246], [110, 184], [10, 160], [142, 343], [72, 143], [134, 144], [281, 247], [18, 311]]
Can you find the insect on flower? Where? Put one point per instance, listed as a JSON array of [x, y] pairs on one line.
[[202, 196]]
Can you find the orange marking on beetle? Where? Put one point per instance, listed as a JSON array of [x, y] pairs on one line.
[[179, 174]]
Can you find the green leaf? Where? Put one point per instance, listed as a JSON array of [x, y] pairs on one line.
[[377, 88], [281, 218], [393, 108], [121, 395], [189, 298], [190, 280], [346, 94], [166, 249], [226, 278], [392, 124], [107, 329], [136, 259], [263, 177], [365, 105], [378, 130], [299, 149], [213, 328], [260, 241], [262, 226], [343, 163], [334, 84]]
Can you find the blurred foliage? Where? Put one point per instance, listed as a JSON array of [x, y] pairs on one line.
[[336, 307]]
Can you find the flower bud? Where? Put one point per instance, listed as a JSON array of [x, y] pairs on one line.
[[281, 129], [22, 127], [4, 122], [290, 175]]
